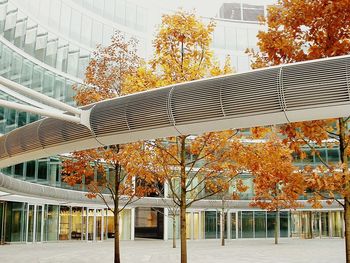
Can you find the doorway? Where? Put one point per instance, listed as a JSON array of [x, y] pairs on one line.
[[149, 222]]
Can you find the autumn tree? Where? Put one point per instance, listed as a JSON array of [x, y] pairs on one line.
[[299, 30], [105, 77], [194, 168], [277, 183]]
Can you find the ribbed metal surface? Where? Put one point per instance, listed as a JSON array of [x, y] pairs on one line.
[[23, 139], [140, 111], [3, 153], [325, 82], [53, 132], [278, 92], [250, 93]]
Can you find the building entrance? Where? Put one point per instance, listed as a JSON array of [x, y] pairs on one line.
[[149, 222]]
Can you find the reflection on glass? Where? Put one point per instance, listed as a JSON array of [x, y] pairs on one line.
[[210, 224], [64, 223], [76, 223], [284, 223], [30, 233], [98, 224], [51, 226], [337, 223], [270, 223], [260, 224], [15, 222], [247, 224], [233, 226], [39, 212], [324, 224], [90, 224]]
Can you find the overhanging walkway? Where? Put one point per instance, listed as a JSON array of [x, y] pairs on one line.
[[297, 92]]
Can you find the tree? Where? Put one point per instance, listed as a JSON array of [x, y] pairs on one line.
[[105, 77], [277, 183], [299, 30], [194, 168]]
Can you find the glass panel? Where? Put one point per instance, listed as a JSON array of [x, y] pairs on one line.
[[48, 85], [64, 223], [284, 223], [15, 222], [233, 225], [324, 224], [52, 223], [230, 37], [22, 119], [30, 224], [75, 25], [252, 12], [98, 224], [333, 155], [91, 224], [231, 11], [219, 37], [260, 224], [210, 224], [31, 166], [110, 224], [76, 223], [19, 170], [39, 211], [38, 74], [316, 224], [11, 117], [195, 225], [2, 240], [337, 224], [42, 170], [270, 223], [247, 224]]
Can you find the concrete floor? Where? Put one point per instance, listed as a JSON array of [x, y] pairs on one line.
[[157, 251]]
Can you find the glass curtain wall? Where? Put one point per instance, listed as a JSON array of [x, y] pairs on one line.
[[65, 222]]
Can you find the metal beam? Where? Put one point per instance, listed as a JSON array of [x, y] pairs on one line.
[[44, 112]]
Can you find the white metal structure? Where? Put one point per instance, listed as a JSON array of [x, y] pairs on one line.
[[310, 90], [45, 105]]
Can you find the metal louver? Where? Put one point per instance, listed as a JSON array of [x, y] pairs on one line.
[[296, 92]]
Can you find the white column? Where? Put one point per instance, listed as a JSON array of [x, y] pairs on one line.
[[132, 224], [228, 224], [166, 221], [192, 226]]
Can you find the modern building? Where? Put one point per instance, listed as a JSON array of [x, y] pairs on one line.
[[46, 45]]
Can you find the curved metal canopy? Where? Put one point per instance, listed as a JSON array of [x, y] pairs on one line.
[[310, 90]]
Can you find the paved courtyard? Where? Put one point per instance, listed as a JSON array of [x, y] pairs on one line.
[[157, 251]]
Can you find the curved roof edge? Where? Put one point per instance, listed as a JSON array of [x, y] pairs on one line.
[[317, 89], [66, 196]]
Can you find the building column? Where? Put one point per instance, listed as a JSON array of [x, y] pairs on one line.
[[132, 224], [165, 223], [228, 224]]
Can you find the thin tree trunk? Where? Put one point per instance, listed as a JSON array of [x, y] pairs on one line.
[[183, 231], [174, 231], [276, 227], [183, 235], [347, 228], [116, 234]]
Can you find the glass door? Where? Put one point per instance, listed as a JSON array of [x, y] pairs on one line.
[[30, 223], [90, 224], [99, 223], [39, 223], [2, 223]]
